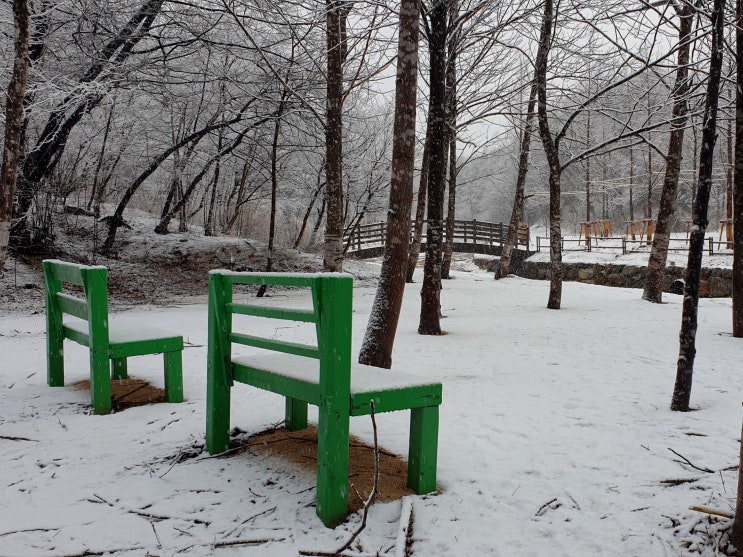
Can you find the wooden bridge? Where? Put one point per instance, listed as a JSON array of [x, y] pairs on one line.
[[470, 236]]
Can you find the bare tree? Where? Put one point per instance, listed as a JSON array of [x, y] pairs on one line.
[[380, 332], [653, 290], [550, 146], [738, 213], [504, 264], [13, 123], [89, 92], [437, 32], [687, 336], [336, 13]]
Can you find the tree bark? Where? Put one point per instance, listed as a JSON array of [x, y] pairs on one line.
[[13, 123], [274, 188], [308, 213], [653, 291], [379, 338], [736, 532], [504, 264], [420, 210], [738, 190], [431, 290], [687, 336], [211, 209], [333, 244], [553, 157], [451, 118]]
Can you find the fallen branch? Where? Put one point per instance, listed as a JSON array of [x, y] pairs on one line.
[[147, 515], [713, 512], [12, 438], [544, 507], [687, 461], [678, 481], [405, 533]]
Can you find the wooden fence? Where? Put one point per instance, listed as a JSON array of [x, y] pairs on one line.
[[621, 244]]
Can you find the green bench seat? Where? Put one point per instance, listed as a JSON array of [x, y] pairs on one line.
[[83, 317], [321, 374]]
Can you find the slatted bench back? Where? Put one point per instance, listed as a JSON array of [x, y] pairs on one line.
[[92, 306], [332, 295]]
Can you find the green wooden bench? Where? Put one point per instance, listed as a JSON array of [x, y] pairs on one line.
[[83, 318], [320, 374]]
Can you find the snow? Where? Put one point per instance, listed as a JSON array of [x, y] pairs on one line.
[[556, 437]]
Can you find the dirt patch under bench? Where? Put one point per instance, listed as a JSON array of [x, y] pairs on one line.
[[300, 447], [126, 393]]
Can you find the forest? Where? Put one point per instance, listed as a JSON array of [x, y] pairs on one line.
[[295, 122]]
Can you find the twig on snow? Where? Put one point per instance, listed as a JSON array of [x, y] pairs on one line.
[[714, 512], [404, 541], [12, 438], [547, 505], [687, 461], [149, 516]]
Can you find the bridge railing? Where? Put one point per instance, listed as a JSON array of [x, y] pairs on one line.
[[465, 232]]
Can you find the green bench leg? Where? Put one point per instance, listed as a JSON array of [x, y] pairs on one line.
[[119, 368], [173, 363], [100, 382], [217, 409], [54, 359], [423, 449], [332, 466], [296, 414]]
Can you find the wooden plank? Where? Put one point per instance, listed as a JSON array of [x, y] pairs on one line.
[[72, 306], [65, 271], [270, 279], [289, 314], [391, 400], [281, 384], [295, 348]]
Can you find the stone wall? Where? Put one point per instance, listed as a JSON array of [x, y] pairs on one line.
[[716, 283]]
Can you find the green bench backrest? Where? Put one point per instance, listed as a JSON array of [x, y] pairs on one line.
[[92, 307], [332, 295]]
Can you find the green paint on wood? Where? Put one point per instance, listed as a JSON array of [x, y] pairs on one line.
[[108, 348], [329, 388]]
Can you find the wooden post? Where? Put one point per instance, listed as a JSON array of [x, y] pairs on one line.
[[218, 383], [334, 305]]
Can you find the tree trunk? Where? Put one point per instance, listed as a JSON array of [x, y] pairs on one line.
[[209, 224], [379, 338], [451, 207], [451, 118], [431, 289], [504, 265], [738, 190], [687, 336], [13, 123], [653, 291], [420, 210], [94, 194], [333, 244], [308, 213], [553, 157], [274, 188], [736, 532]]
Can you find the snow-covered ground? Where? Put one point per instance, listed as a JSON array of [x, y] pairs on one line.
[[556, 438]]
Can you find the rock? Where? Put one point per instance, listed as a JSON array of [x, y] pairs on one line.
[[677, 286]]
